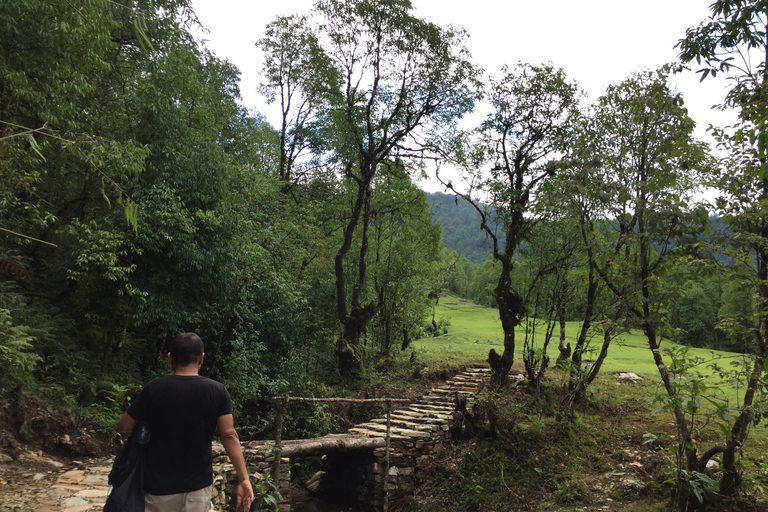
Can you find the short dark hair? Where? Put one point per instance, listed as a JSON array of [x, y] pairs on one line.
[[186, 348]]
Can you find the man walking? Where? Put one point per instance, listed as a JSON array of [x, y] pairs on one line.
[[181, 412]]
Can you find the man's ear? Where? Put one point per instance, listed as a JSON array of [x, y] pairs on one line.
[[170, 359], [200, 360]]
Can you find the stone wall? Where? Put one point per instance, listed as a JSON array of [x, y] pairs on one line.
[[409, 460], [259, 463]]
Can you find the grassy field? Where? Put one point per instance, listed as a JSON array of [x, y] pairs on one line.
[[473, 330], [563, 467]]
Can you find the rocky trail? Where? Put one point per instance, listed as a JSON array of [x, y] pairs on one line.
[[41, 483]]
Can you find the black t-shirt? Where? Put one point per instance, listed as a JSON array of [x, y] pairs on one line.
[[181, 413]]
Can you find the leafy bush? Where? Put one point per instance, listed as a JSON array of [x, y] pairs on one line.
[[16, 358], [572, 490]]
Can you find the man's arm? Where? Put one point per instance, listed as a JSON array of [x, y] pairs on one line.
[[125, 424], [231, 442]]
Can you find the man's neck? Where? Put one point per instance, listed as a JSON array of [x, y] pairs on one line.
[[186, 371]]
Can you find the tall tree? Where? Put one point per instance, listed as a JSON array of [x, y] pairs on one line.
[[402, 78], [516, 151], [579, 198], [298, 75], [733, 41], [649, 161], [405, 243]]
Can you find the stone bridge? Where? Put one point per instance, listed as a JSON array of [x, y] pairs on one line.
[[377, 467]]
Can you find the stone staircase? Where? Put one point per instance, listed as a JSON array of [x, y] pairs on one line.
[[432, 414]]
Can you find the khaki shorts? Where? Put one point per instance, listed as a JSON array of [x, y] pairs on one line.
[[195, 501]]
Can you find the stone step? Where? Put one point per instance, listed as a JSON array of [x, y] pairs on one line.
[[376, 430], [461, 387], [377, 427], [408, 424], [435, 415], [424, 427], [438, 392], [436, 399], [434, 407], [425, 409], [374, 433], [414, 419]]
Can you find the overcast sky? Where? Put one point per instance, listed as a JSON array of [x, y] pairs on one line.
[[597, 42]]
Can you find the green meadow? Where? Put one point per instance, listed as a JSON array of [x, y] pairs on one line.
[[473, 330]]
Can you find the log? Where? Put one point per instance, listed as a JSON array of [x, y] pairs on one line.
[[322, 446]]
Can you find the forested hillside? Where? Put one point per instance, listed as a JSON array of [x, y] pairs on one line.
[[461, 226], [140, 199]]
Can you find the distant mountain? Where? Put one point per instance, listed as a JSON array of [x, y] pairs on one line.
[[461, 226]]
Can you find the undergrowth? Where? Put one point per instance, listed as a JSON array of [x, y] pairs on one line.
[[524, 457]]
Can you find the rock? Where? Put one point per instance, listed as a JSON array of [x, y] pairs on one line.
[[38, 476], [72, 477], [313, 484], [97, 479], [631, 482], [74, 501], [713, 465], [5, 458], [93, 493], [628, 377]]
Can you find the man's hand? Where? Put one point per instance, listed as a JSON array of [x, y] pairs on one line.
[[245, 494]]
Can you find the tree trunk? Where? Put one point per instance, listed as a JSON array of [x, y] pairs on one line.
[[353, 322], [563, 347], [729, 485], [510, 308], [112, 341]]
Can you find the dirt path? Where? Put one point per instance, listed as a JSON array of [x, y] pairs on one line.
[[41, 483]]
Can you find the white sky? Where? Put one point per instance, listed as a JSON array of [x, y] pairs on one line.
[[597, 42]]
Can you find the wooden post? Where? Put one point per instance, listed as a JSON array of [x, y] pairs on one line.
[[278, 439], [386, 454]]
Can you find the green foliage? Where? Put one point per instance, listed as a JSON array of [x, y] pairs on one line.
[[700, 397], [734, 29], [692, 388], [531, 457], [695, 310], [16, 355], [265, 492], [106, 104], [484, 281], [572, 490], [103, 414], [405, 245], [26, 336], [756, 476]]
